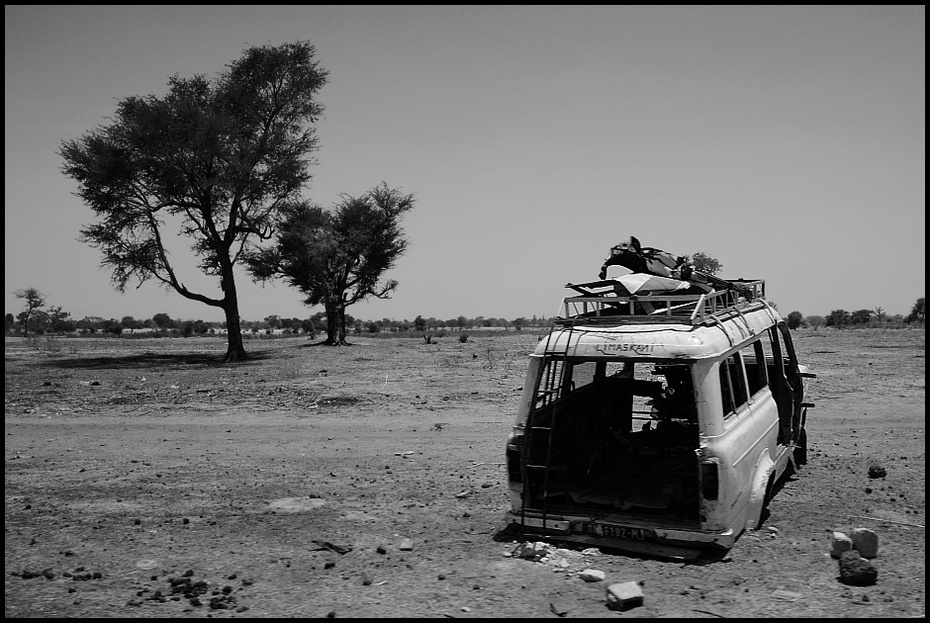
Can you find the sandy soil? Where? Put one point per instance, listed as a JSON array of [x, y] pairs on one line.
[[144, 479]]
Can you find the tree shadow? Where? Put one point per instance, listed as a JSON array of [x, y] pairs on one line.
[[324, 342], [148, 360]]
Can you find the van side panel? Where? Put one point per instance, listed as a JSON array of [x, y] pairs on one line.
[[739, 442]]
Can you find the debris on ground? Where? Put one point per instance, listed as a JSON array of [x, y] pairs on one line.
[[592, 575], [557, 559], [865, 542], [339, 549], [786, 595], [624, 595], [856, 570], [840, 544]]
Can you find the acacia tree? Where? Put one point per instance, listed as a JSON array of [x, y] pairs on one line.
[[918, 312], [35, 301], [838, 318], [860, 316], [704, 263], [219, 158], [336, 258]]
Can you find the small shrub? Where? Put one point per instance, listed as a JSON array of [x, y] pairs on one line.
[[463, 338]]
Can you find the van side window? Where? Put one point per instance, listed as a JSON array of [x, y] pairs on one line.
[[551, 383], [583, 374], [756, 373], [732, 384]]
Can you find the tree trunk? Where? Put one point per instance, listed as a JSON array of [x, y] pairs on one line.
[[342, 324], [332, 324], [335, 323], [235, 351]]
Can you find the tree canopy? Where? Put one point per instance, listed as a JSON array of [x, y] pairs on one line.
[[337, 258], [35, 301], [704, 263], [918, 312], [217, 159]]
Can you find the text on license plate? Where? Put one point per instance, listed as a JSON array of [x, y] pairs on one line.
[[621, 532]]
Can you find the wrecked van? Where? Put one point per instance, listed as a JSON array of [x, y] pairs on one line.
[[657, 423]]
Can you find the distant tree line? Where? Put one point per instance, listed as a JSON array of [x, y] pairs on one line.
[[39, 319], [36, 320], [861, 318]]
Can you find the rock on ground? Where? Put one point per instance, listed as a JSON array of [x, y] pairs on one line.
[[865, 542], [856, 570]]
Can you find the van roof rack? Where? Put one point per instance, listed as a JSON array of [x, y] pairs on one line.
[[608, 302]]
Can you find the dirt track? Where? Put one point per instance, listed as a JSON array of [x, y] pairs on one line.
[[129, 463]]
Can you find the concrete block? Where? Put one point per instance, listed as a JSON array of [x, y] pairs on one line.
[[865, 542], [839, 544], [624, 595]]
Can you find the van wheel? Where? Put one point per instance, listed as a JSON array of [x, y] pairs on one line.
[[800, 451]]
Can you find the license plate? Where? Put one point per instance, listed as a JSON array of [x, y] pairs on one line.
[[620, 532]]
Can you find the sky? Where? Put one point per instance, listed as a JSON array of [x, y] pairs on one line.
[[787, 142]]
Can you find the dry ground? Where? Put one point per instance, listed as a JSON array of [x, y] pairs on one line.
[[135, 468]]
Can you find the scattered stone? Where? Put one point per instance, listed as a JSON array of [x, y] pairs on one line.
[[877, 471], [530, 551], [840, 543], [865, 542], [28, 574], [856, 570], [624, 596], [218, 604], [592, 575]]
